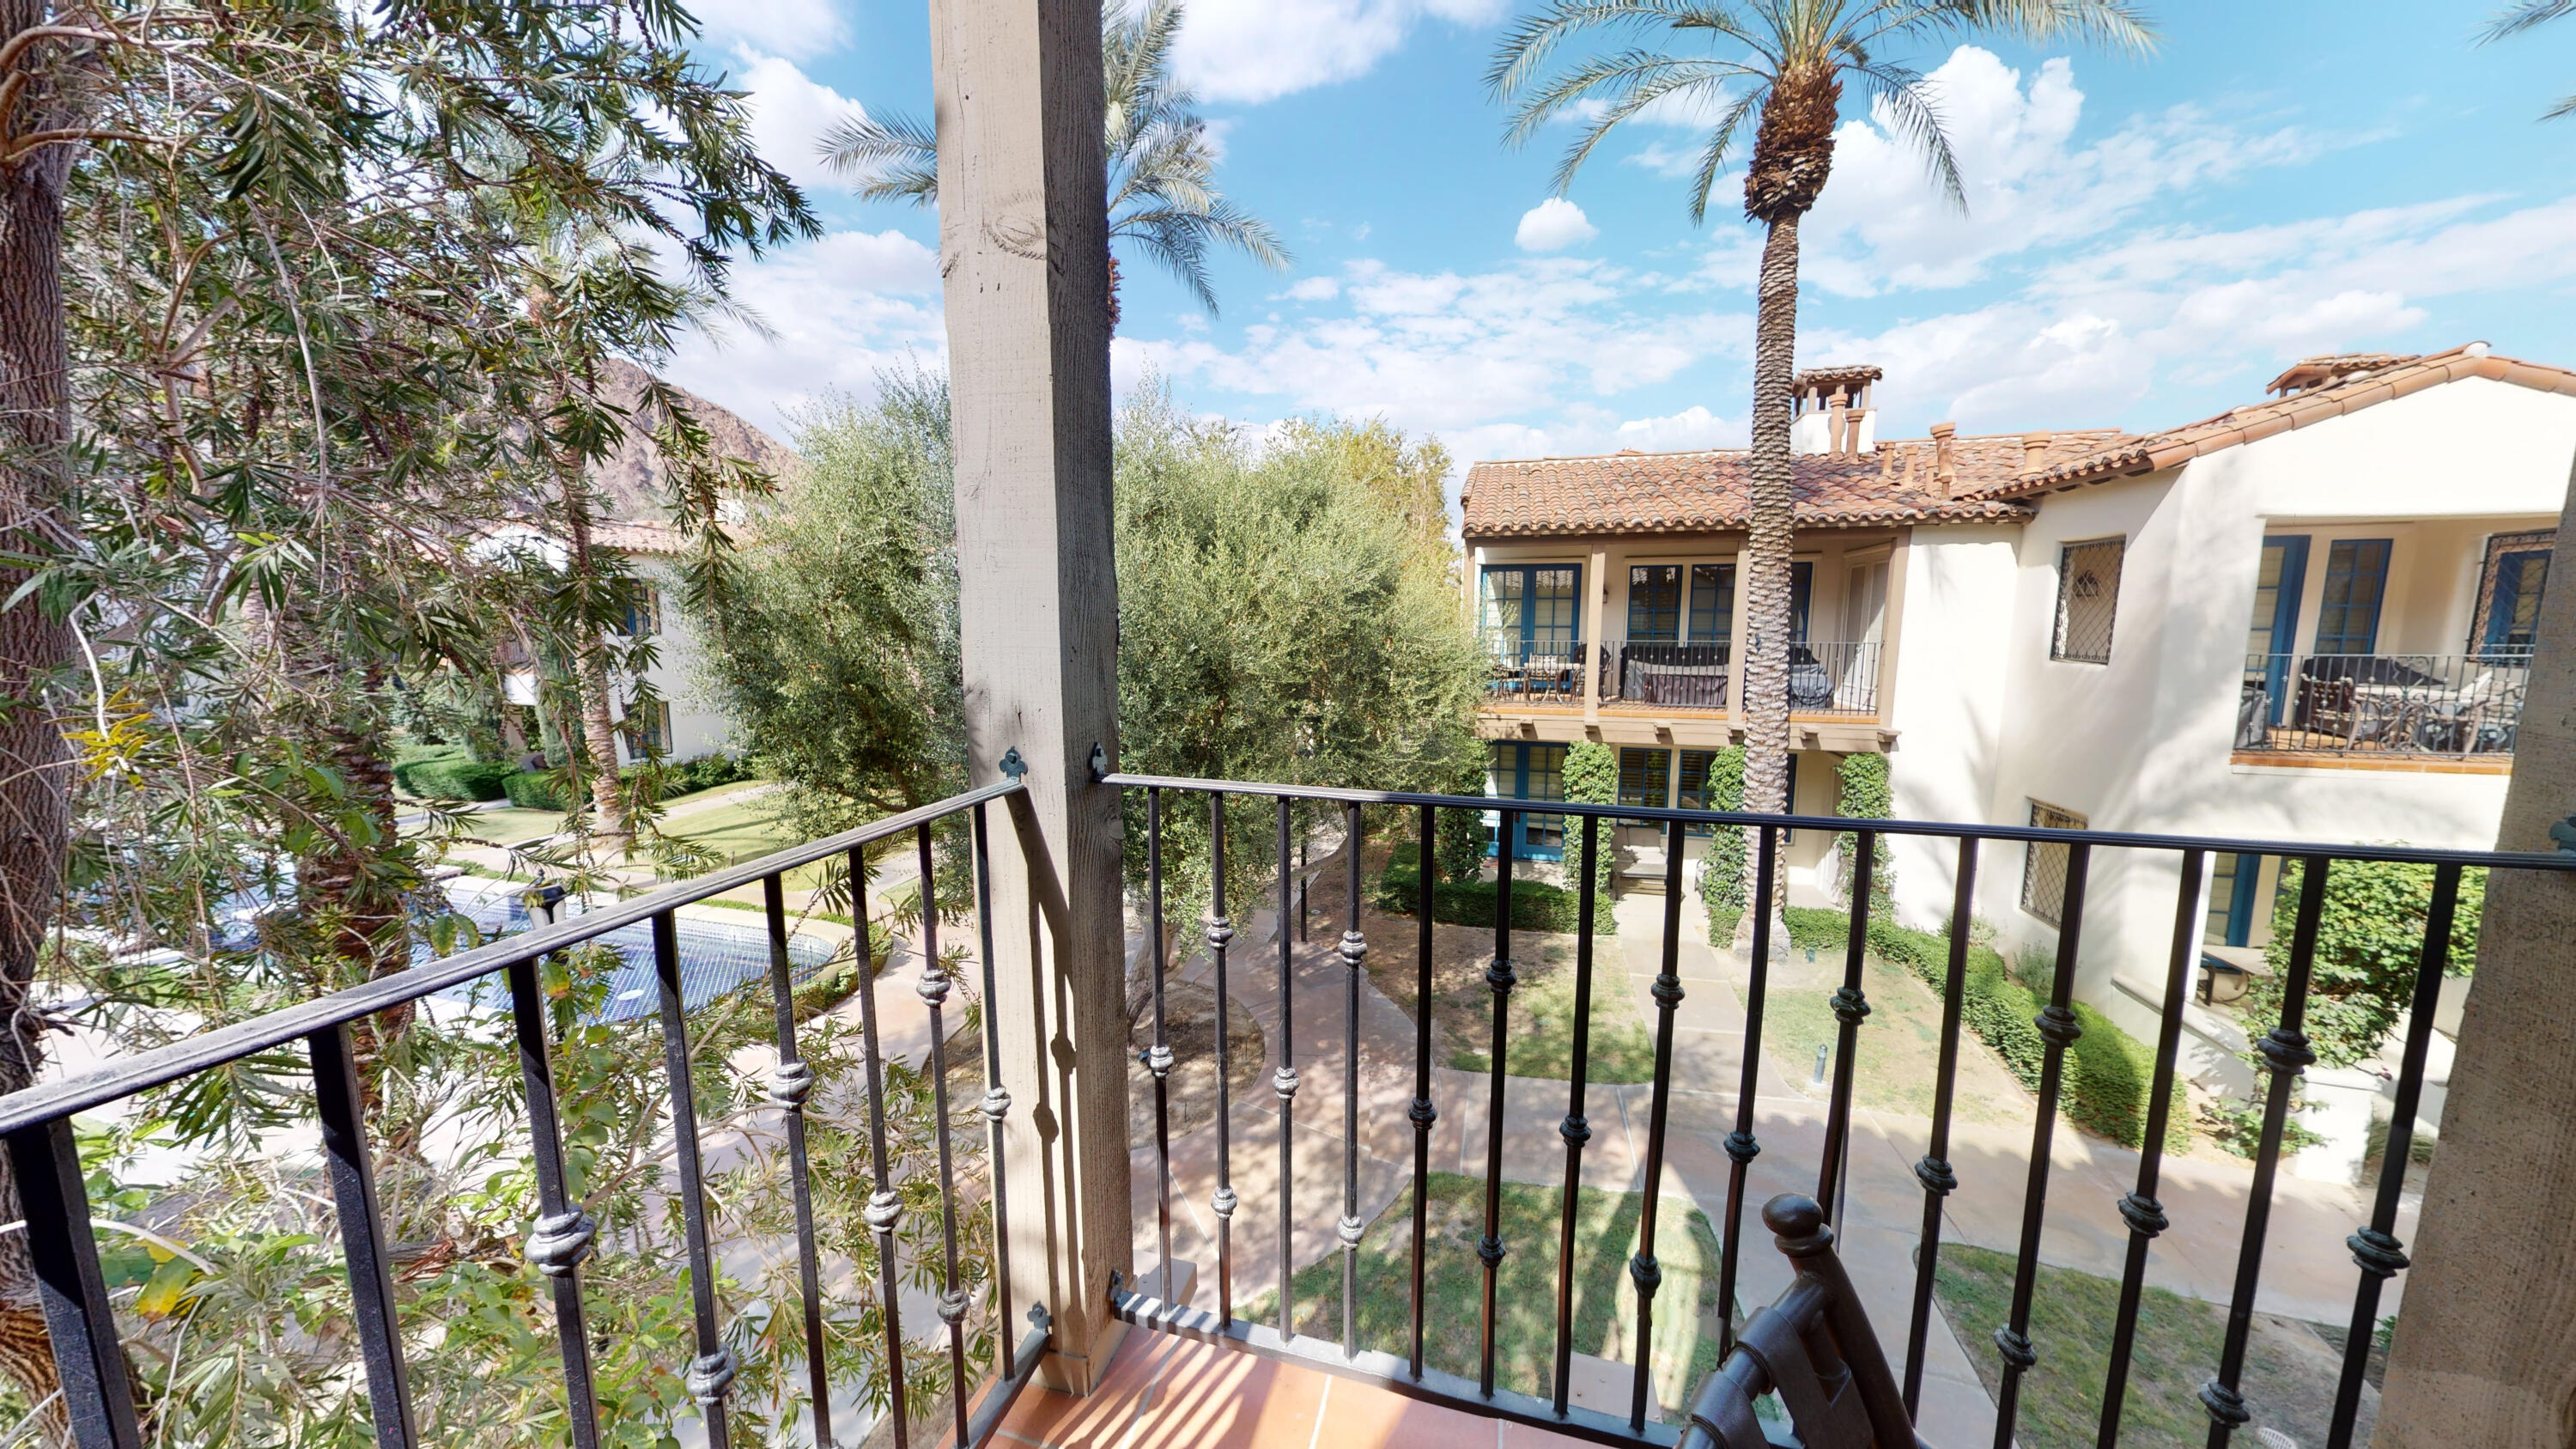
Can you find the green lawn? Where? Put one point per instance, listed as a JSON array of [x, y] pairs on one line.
[[739, 829], [1541, 1025], [1525, 1297], [2287, 1382], [1900, 1047]]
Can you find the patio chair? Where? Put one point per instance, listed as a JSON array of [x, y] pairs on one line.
[[1813, 1347]]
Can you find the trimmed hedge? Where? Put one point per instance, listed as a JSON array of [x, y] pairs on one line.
[[450, 773], [1536, 905], [703, 773], [2108, 1073], [531, 790]]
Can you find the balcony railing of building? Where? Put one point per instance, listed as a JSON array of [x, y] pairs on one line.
[[2460, 705], [1398, 1362], [1826, 677], [37, 1126]]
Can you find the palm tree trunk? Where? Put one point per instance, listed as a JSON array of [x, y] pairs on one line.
[[35, 760], [1769, 537], [590, 674]]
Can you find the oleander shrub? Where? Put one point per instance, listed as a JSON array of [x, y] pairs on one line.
[[1536, 905]]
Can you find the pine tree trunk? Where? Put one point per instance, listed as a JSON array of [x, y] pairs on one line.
[[590, 676], [1768, 541], [35, 760]]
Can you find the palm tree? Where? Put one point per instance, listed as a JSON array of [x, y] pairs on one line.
[[1788, 63], [1162, 197]]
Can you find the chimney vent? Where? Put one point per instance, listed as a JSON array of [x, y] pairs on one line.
[[1945, 466], [2034, 451]]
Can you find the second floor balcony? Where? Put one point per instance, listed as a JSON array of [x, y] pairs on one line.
[[1837, 678], [2411, 708]]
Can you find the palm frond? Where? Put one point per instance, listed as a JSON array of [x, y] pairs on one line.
[[1524, 50], [896, 155], [1675, 78], [2515, 19], [2111, 24], [1712, 157], [1916, 117]]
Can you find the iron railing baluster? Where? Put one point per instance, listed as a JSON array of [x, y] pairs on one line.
[[1158, 1057], [1851, 1006], [1575, 1129], [2058, 1030], [2285, 1053], [1741, 1145], [2375, 1248], [1284, 1082], [62, 1248], [1500, 979], [1423, 1113], [1220, 932], [2144, 1215], [342, 1100], [997, 1102], [1354, 949], [711, 1374], [884, 1209], [791, 1081], [1643, 1269], [933, 991], [562, 1236], [1933, 1169]]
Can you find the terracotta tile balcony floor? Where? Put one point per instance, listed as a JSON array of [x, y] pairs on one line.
[[1165, 1392]]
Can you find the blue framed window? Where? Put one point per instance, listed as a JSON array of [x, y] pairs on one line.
[[2273, 633], [1692, 793], [2517, 570], [1712, 603], [1531, 772], [1645, 778], [2233, 880], [1802, 589], [1538, 605], [643, 612], [2356, 580], [1655, 603]]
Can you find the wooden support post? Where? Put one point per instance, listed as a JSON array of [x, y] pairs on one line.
[[1597, 657], [2486, 1342], [1023, 248]]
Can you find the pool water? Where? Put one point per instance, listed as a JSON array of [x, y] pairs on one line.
[[716, 959]]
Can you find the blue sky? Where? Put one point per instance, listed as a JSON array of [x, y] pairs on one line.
[[2148, 241]]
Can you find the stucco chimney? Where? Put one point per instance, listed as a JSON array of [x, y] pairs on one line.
[[1945, 468], [1838, 422], [2034, 450]]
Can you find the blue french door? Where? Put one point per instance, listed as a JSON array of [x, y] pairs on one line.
[[2513, 604], [2274, 631], [1537, 606], [2348, 611], [1532, 772]]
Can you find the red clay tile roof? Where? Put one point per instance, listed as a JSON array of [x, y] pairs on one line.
[[1704, 491], [2150, 452]]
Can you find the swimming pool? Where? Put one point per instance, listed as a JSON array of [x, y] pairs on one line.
[[716, 959]]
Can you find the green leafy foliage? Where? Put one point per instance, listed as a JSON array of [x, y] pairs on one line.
[[1867, 795], [532, 790], [2106, 1085], [2370, 943], [1722, 879], [1536, 905], [1592, 778]]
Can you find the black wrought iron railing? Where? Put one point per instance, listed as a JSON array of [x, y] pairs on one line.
[[2376, 1251], [1826, 676], [37, 1125], [2466, 705]]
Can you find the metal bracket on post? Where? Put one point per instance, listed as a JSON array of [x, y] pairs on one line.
[[2564, 832], [1099, 763], [1012, 765]]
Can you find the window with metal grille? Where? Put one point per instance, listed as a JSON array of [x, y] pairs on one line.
[[648, 726], [2043, 870], [2088, 593], [644, 612]]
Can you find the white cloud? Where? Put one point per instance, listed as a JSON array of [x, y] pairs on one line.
[[790, 111], [1883, 225], [1553, 225], [1260, 50], [798, 28], [1315, 289], [842, 309]]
